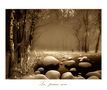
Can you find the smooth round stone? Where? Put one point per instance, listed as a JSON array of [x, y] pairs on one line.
[[93, 74], [41, 69], [69, 58], [73, 69], [93, 77], [27, 77], [67, 75], [50, 60], [38, 76], [52, 74], [37, 72], [98, 71], [79, 73], [85, 64], [79, 77], [70, 62], [75, 77]]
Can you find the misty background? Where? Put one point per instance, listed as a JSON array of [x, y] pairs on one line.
[[68, 30]]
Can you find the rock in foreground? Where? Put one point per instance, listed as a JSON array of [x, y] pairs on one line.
[[94, 73], [53, 74], [85, 64], [93, 77], [50, 60], [38, 76], [69, 63], [67, 75]]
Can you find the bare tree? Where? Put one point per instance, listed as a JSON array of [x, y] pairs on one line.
[[85, 46], [11, 35], [76, 28], [11, 38], [99, 35]]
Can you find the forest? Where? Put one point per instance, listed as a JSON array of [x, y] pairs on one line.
[[53, 43]]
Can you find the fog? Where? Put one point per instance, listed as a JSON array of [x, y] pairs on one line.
[[60, 37]]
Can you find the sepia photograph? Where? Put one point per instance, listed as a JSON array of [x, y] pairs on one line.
[[59, 44]]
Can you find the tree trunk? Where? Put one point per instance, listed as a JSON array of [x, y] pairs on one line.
[[78, 39], [23, 44], [97, 44], [11, 36], [85, 19], [32, 28], [98, 40], [12, 57]]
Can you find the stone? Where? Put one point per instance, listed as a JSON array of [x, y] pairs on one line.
[[79, 77], [41, 69], [85, 64], [37, 72], [67, 75], [75, 77], [50, 60], [73, 69], [53, 74], [93, 74], [79, 73], [98, 71], [69, 63], [28, 77], [93, 77], [38, 76], [69, 58]]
